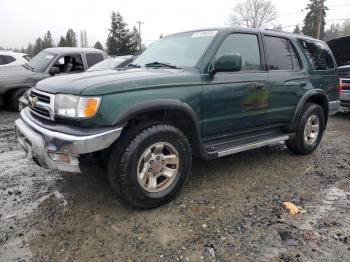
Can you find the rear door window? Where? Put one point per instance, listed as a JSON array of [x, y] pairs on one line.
[[295, 59], [279, 55], [318, 54], [93, 59]]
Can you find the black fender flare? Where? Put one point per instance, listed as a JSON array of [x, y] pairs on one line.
[[10, 88], [166, 104], [316, 93], [158, 104]]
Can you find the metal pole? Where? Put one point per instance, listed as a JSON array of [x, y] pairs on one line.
[[140, 23], [319, 20]]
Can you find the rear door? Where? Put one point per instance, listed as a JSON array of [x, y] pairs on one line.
[[287, 76], [234, 102]]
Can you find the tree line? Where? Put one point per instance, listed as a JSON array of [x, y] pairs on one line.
[[120, 40], [262, 13]]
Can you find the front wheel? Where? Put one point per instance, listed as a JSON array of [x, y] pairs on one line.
[[309, 131], [13, 102], [153, 166]]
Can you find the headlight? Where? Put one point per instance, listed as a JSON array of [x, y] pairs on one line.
[[76, 106]]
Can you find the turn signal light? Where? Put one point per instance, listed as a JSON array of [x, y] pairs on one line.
[[90, 107]]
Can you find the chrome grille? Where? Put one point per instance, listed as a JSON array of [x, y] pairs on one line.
[[41, 104]]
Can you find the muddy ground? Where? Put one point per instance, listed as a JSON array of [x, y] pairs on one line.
[[230, 209]]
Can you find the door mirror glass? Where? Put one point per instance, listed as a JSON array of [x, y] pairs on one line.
[[228, 63], [54, 70]]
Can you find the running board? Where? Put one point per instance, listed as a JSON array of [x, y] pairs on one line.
[[253, 145]]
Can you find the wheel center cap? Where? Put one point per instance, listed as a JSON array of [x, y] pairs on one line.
[[157, 166]]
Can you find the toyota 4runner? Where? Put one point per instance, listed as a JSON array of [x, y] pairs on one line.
[[206, 93]]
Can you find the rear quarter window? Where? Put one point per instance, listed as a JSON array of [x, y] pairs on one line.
[[6, 59], [93, 59], [318, 54]]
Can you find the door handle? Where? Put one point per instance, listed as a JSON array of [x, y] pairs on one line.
[[259, 86]]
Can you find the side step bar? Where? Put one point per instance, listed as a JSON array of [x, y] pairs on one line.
[[253, 145]]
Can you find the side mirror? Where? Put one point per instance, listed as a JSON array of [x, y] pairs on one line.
[[79, 68], [228, 63], [54, 70]]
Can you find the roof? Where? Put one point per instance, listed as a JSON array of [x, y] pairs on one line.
[[61, 50], [9, 52], [252, 30]]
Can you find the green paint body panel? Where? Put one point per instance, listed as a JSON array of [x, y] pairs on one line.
[[223, 102]]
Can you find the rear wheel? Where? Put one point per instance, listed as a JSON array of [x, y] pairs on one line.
[[309, 131], [153, 166]]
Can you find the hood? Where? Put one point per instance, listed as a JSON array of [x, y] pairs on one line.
[[11, 76], [107, 81], [16, 71], [340, 48]]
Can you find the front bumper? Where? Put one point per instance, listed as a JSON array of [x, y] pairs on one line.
[[56, 150]]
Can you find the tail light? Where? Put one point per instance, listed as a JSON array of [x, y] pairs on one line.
[[340, 87]]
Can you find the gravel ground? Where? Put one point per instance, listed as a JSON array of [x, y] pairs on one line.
[[230, 209]]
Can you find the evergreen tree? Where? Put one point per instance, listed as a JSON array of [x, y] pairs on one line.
[[315, 7], [346, 28], [118, 41], [62, 42], [297, 30], [333, 32], [135, 41], [98, 45], [38, 46], [83, 39], [86, 43], [278, 27], [48, 40], [71, 38], [30, 50]]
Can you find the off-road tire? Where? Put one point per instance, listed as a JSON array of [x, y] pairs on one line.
[[123, 162], [297, 144]]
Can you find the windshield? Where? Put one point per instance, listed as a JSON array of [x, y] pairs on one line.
[[41, 61], [109, 63], [181, 50]]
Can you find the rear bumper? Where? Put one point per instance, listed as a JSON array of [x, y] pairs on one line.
[[56, 150], [333, 107], [345, 98]]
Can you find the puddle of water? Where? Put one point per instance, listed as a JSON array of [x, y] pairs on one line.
[[21, 210], [306, 221]]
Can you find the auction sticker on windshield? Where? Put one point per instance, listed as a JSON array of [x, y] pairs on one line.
[[204, 33]]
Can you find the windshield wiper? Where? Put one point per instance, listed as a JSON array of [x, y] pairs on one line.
[[134, 65], [157, 64], [27, 66]]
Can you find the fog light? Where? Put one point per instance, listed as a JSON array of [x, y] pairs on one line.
[[61, 157]]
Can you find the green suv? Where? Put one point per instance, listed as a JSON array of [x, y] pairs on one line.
[[206, 93]]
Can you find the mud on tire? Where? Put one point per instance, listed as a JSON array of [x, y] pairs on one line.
[[299, 144], [123, 166]]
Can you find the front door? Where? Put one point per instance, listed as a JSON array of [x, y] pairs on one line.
[[234, 102]]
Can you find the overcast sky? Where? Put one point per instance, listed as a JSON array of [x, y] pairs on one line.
[[22, 21]]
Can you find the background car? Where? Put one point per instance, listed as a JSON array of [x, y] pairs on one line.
[[15, 80], [117, 62], [341, 49], [9, 58]]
